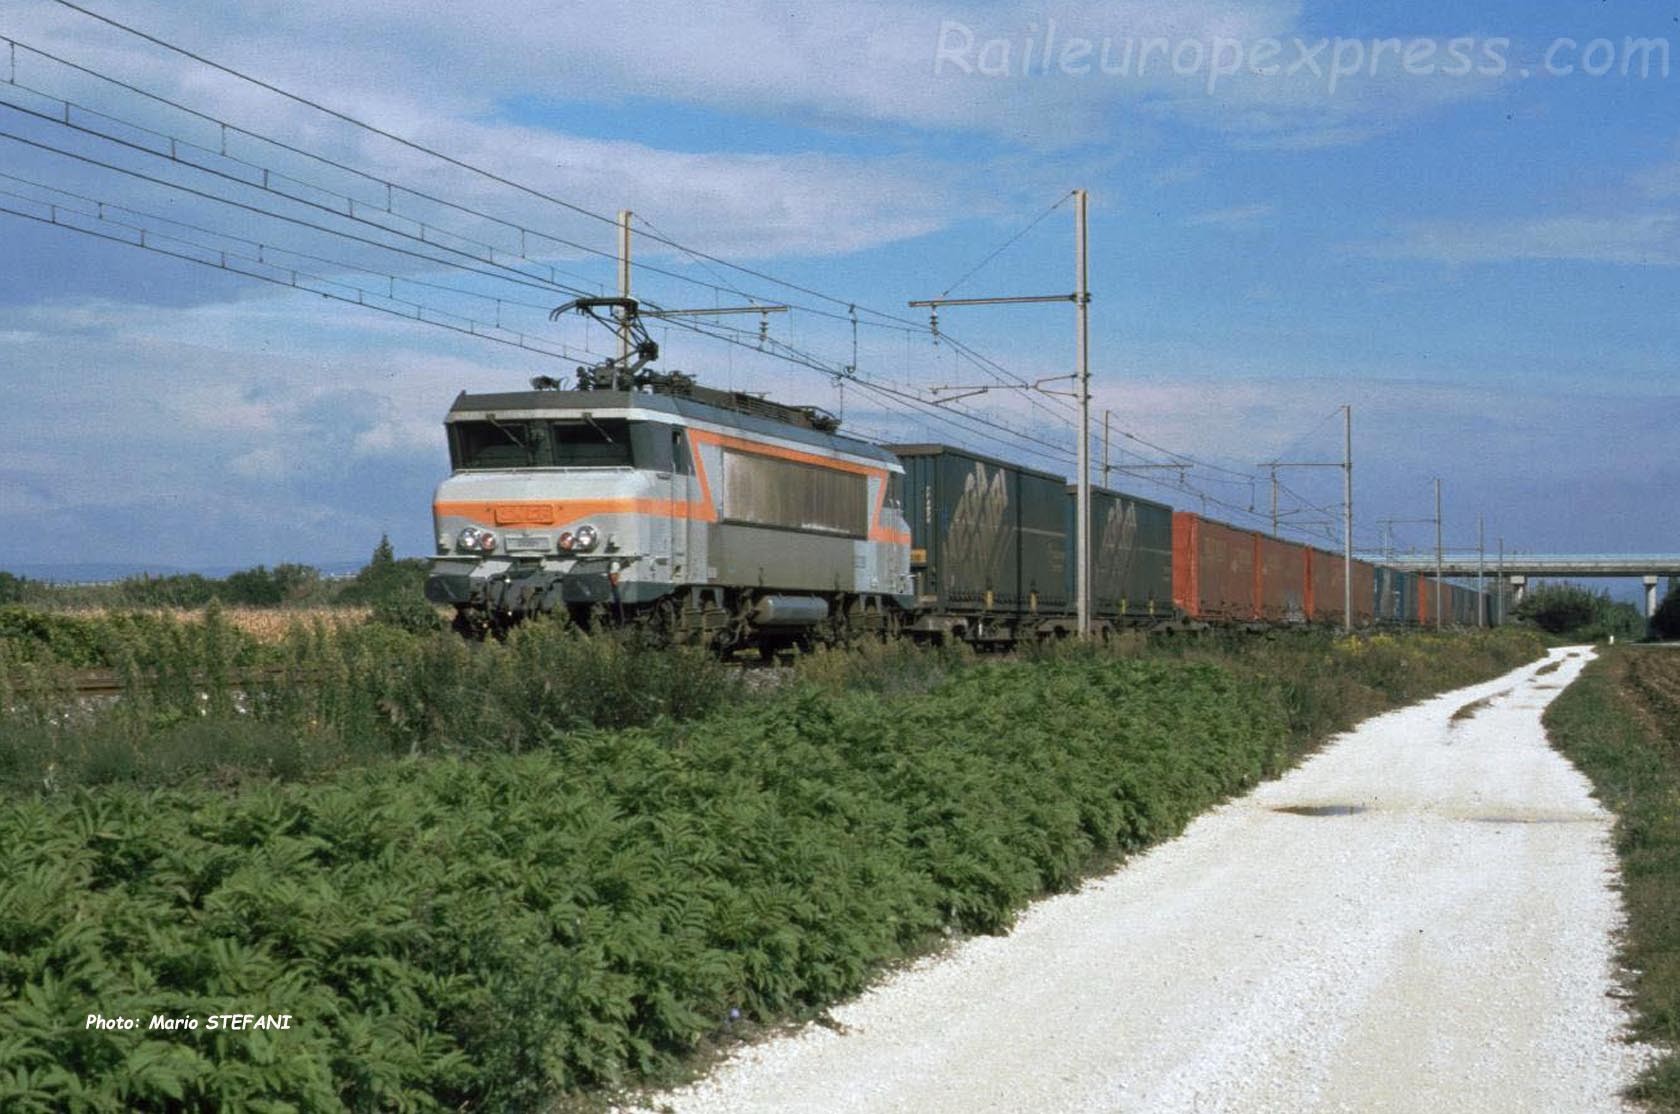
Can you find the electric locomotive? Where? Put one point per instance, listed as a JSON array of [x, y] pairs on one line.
[[710, 517]]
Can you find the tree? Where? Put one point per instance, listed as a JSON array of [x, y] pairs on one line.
[[386, 578], [254, 588], [1562, 608], [11, 587], [296, 581], [1666, 622]]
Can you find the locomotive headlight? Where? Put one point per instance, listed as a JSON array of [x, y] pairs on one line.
[[472, 539], [565, 541], [586, 538]]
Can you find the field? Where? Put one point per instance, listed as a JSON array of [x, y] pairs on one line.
[[480, 877], [1620, 723]]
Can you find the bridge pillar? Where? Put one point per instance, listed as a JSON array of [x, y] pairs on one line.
[[1650, 597], [1519, 586]]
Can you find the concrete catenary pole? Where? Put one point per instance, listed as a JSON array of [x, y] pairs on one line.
[[1503, 586], [1481, 570], [1274, 503], [1082, 524], [1347, 503], [1438, 620], [624, 216], [1081, 298]]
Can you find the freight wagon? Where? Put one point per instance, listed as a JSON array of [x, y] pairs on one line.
[[1223, 573], [1396, 601], [1213, 569], [1326, 588], [1130, 557], [989, 545], [1460, 605]]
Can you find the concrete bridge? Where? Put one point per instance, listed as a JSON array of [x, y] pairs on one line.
[[1518, 567]]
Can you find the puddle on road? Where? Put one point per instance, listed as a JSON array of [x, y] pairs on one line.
[[1322, 810], [1470, 710]]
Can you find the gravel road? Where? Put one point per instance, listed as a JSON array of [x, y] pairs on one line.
[[1440, 941]]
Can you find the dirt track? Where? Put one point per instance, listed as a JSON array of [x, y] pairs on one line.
[[1429, 930]]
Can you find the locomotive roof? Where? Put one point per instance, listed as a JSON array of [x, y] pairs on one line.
[[661, 402]]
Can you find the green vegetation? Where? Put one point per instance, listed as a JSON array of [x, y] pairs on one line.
[[478, 876], [1620, 723], [1666, 622], [201, 700], [1578, 614], [386, 579]]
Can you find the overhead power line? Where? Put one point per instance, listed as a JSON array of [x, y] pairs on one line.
[[289, 277], [451, 160], [268, 177], [498, 259], [264, 251], [1007, 244]]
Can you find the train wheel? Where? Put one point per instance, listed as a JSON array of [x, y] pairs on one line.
[[469, 624]]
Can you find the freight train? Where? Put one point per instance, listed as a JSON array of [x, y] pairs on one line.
[[722, 519]]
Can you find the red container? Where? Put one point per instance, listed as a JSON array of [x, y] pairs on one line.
[[1364, 593], [1213, 569], [1426, 601], [1280, 580], [1327, 596]]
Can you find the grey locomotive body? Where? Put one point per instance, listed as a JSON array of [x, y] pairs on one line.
[[712, 517]]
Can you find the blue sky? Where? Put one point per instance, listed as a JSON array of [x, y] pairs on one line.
[[1484, 264]]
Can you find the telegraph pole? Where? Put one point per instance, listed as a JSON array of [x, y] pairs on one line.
[[1081, 299]]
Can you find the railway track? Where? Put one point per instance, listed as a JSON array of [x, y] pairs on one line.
[[108, 682]]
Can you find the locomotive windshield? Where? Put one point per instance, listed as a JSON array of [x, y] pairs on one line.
[[574, 443]]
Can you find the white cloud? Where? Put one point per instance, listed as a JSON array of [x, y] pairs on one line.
[[1649, 239], [849, 63], [1660, 181], [1235, 217]]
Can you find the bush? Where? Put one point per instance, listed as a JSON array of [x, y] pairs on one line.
[[252, 588], [395, 686], [385, 578], [1560, 608], [485, 933], [1570, 611], [1666, 622], [407, 613]]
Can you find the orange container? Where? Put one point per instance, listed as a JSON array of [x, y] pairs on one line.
[[1327, 598], [1213, 569], [1280, 580]]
